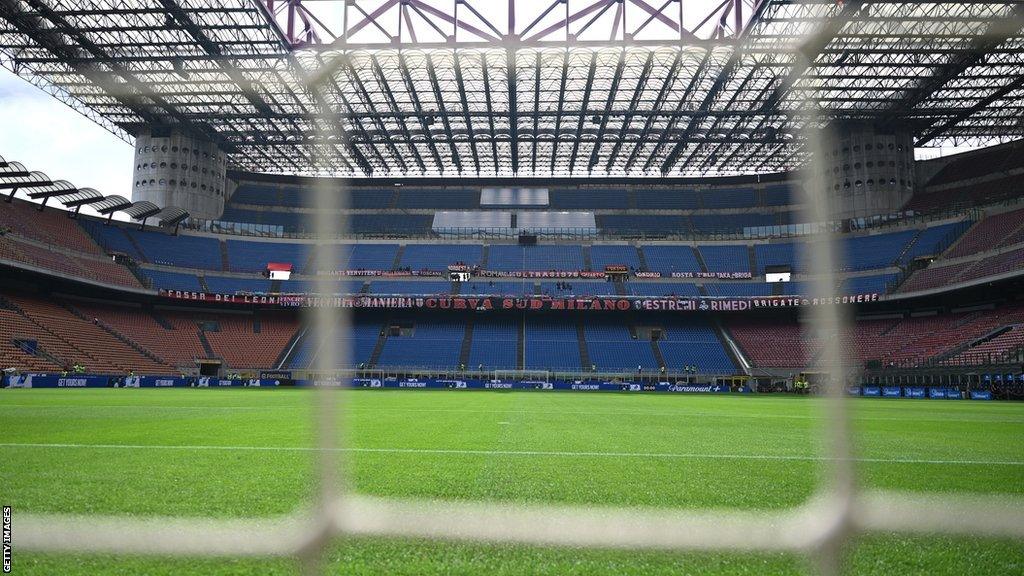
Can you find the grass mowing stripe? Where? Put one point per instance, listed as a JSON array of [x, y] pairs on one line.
[[681, 456], [675, 413]]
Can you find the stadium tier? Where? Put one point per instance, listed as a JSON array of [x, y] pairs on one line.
[[881, 261], [629, 226]]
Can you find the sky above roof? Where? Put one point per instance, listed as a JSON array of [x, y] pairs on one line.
[[44, 134]]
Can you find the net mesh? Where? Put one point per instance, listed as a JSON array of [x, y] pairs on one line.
[[818, 529]]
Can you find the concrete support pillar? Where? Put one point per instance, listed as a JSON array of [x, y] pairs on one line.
[[869, 169], [176, 169]]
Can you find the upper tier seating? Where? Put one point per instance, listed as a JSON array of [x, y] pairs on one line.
[[96, 268], [112, 239], [979, 164], [249, 256], [591, 198], [779, 195], [631, 224], [667, 199], [183, 251], [441, 198], [727, 198], [975, 194], [989, 233], [50, 226]]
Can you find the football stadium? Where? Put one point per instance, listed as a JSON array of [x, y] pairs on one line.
[[525, 287]]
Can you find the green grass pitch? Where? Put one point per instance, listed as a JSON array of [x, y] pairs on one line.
[[188, 453]]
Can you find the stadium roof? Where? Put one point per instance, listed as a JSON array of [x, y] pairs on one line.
[[551, 87]]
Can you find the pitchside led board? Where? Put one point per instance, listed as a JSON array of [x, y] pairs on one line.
[[777, 273]]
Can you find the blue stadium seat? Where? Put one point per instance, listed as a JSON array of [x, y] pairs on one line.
[[692, 341], [111, 238], [610, 255], [172, 280], [668, 199], [441, 198], [393, 224], [491, 344], [510, 258], [729, 223], [778, 195], [484, 287], [725, 258], [589, 198], [440, 256], [249, 256], [647, 224], [577, 288], [776, 255], [184, 251], [551, 344], [934, 240], [257, 194], [409, 287], [611, 348], [877, 283], [728, 197], [682, 289], [229, 285], [874, 251], [433, 343], [669, 259], [738, 289]]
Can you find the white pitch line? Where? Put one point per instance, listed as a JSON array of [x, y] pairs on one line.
[[455, 452]]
